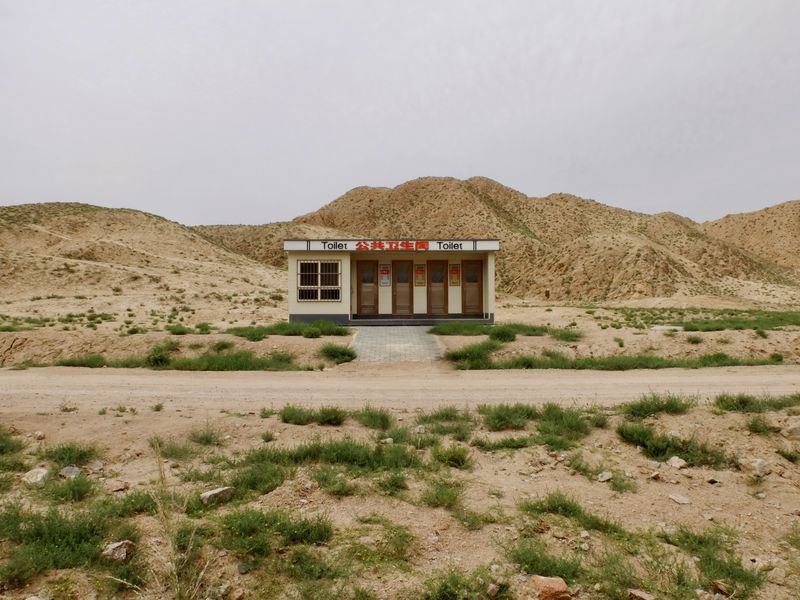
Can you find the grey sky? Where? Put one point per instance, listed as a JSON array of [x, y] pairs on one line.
[[250, 111]]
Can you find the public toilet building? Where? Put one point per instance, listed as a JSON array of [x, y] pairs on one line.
[[391, 282]]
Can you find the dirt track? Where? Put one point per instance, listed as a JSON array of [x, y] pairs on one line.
[[407, 385]]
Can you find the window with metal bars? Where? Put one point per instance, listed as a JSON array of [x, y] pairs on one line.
[[319, 280]]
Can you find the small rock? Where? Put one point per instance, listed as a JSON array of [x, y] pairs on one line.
[[678, 499], [708, 516], [604, 476], [584, 546], [655, 475], [640, 595], [777, 576], [792, 430], [243, 568], [118, 551], [584, 534], [492, 590], [758, 467], [760, 495], [712, 481], [70, 472], [676, 462], [654, 464], [550, 588], [116, 485], [95, 466], [35, 477], [419, 429], [387, 441], [38, 435], [238, 594], [217, 495], [721, 587]]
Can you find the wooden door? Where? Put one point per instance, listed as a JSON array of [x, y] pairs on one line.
[[367, 287], [402, 287], [437, 287], [472, 287]]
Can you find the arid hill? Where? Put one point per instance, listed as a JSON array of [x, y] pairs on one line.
[[772, 232], [560, 246], [113, 259]]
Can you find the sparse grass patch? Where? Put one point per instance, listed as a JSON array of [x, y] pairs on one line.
[[559, 428], [296, 415], [443, 494], [661, 447], [71, 453], [533, 558], [505, 443], [222, 345], [69, 490], [790, 454], [694, 339], [267, 437], [448, 421], [241, 360], [453, 456], [8, 443], [374, 418], [403, 435], [501, 417], [333, 481], [261, 478], [258, 333], [716, 560], [456, 585], [555, 360], [747, 403], [330, 415], [89, 361], [653, 404], [393, 483], [207, 436], [171, 449], [557, 503], [338, 353], [760, 426]]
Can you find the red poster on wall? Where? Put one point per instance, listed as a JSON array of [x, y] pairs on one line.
[[455, 274]]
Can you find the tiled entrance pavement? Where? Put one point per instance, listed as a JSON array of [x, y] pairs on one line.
[[393, 344]]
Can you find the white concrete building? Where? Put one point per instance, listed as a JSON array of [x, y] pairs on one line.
[[381, 281]]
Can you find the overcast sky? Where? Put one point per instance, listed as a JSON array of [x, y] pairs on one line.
[[251, 111]]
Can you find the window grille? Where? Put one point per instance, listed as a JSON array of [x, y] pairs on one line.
[[319, 280]]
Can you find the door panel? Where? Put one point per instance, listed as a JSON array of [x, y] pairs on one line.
[[472, 287], [367, 287], [402, 288], [437, 287]]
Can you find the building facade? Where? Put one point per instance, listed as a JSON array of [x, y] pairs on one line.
[[382, 281]]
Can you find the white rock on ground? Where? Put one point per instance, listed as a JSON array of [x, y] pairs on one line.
[[70, 472], [676, 462], [678, 499], [604, 476], [35, 477], [118, 551], [217, 495]]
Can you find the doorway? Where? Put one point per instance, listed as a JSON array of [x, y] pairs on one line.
[[437, 287], [367, 287], [402, 287], [472, 287]]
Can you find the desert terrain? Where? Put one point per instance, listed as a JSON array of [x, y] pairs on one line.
[[449, 479]]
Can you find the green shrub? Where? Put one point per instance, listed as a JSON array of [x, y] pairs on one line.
[[532, 557], [207, 436], [179, 329], [661, 447], [222, 345], [760, 426], [453, 456], [90, 361], [330, 415], [337, 353], [267, 437], [160, 355], [70, 490], [296, 415], [442, 494], [652, 404], [71, 453], [694, 339], [312, 332], [502, 417], [374, 418]]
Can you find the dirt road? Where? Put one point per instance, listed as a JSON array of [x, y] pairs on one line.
[[408, 385]]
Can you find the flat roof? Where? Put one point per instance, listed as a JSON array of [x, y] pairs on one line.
[[390, 245]]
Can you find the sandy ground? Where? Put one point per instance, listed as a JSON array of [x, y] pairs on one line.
[[411, 386], [64, 403]]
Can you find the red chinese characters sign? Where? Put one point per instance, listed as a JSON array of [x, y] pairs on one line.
[[393, 245]]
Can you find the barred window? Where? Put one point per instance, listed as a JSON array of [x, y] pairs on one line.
[[319, 280]]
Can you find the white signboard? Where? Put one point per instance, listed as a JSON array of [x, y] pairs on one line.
[[392, 245]]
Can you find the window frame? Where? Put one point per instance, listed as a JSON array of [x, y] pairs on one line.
[[319, 274]]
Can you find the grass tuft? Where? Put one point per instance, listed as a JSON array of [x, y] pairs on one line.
[[338, 353], [653, 404], [503, 417], [661, 447], [747, 403]]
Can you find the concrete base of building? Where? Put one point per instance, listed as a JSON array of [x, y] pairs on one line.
[[372, 320]]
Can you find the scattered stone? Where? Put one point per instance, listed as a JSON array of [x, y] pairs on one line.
[[678, 499], [217, 495], [70, 472], [777, 576], [640, 595], [419, 429], [792, 430], [550, 588], [243, 568], [584, 546], [655, 475], [116, 485], [492, 590], [654, 464], [118, 551], [676, 462], [713, 480], [584, 534], [708, 516], [35, 477], [95, 466], [604, 476], [387, 441], [38, 435], [758, 467], [760, 495], [238, 594]]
